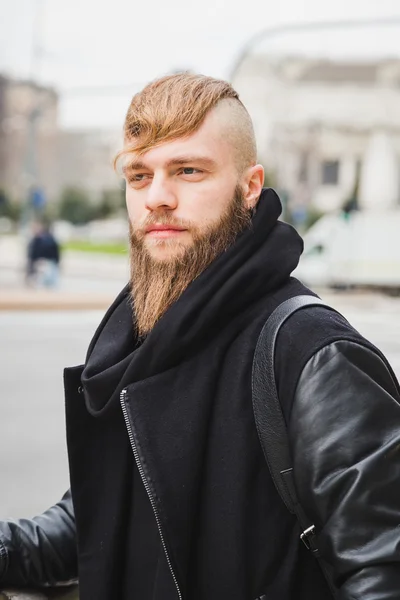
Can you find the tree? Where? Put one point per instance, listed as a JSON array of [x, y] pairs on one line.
[[9, 209], [75, 206], [111, 202]]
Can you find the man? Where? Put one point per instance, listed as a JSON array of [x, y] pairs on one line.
[[43, 257], [171, 494]]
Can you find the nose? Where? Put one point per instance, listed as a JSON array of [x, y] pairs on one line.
[[160, 195]]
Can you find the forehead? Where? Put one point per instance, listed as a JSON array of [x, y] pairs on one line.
[[208, 141]]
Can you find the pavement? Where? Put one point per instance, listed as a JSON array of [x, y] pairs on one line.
[[48, 300], [87, 281]]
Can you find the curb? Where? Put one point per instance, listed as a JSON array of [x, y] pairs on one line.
[[23, 301]]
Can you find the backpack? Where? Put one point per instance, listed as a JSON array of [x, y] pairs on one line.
[[270, 421]]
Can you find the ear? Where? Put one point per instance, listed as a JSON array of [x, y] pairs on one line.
[[252, 183]]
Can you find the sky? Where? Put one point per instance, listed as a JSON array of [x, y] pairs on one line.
[[97, 53]]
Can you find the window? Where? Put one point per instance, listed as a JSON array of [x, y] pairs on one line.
[[330, 172]]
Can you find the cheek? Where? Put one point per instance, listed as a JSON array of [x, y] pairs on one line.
[[212, 202], [134, 207]]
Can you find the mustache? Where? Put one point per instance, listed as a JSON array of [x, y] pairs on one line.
[[162, 218]]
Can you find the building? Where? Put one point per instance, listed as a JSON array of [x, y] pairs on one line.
[[35, 153], [28, 138], [314, 120], [85, 160]]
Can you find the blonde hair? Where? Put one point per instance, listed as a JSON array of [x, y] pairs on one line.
[[175, 106]]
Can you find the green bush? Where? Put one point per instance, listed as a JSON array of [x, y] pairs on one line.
[[111, 202], [96, 247], [76, 207], [8, 208]]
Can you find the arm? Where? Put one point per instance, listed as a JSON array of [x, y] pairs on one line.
[[40, 551], [345, 437]]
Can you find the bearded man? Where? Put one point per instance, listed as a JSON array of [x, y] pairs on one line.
[[171, 497]]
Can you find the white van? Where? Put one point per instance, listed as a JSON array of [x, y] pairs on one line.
[[362, 249]]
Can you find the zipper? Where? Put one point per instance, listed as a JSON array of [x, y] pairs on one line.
[[147, 487]]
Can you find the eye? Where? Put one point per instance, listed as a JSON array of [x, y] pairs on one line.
[[138, 176], [190, 171], [136, 179]]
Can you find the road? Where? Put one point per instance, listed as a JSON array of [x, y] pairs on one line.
[[36, 346]]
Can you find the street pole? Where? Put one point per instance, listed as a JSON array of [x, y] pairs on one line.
[[31, 161]]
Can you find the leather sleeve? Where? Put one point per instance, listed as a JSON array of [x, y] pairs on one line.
[[40, 551], [344, 433]]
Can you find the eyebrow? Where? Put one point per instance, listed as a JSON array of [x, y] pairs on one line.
[[136, 165], [184, 160]]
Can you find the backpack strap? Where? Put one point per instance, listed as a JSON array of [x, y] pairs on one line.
[[270, 422]]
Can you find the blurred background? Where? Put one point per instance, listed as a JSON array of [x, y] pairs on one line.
[[322, 84]]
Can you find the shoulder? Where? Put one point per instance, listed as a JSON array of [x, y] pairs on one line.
[[313, 327], [305, 334]]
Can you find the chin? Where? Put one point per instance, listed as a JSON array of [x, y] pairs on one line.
[[165, 250]]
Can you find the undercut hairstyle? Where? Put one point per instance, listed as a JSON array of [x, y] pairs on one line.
[[175, 107]]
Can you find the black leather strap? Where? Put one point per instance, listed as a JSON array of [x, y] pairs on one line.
[[269, 418]]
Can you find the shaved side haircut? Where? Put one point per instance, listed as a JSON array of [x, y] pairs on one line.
[[175, 106]]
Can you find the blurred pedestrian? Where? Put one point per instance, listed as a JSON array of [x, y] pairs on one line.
[[43, 257]]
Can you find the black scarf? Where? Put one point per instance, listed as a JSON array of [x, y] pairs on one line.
[[189, 400], [261, 260]]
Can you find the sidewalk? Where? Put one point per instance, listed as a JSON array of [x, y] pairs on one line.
[[88, 281], [92, 281], [53, 300], [85, 264]]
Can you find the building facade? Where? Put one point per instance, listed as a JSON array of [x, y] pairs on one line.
[[85, 160], [28, 138], [314, 121], [35, 154]]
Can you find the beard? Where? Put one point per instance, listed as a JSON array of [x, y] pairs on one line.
[[157, 284]]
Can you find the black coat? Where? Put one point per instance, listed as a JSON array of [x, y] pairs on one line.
[[186, 396], [44, 246]]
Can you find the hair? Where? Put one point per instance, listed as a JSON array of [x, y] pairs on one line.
[[175, 106]]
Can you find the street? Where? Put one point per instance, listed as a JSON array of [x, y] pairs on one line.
[[35, 348]]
